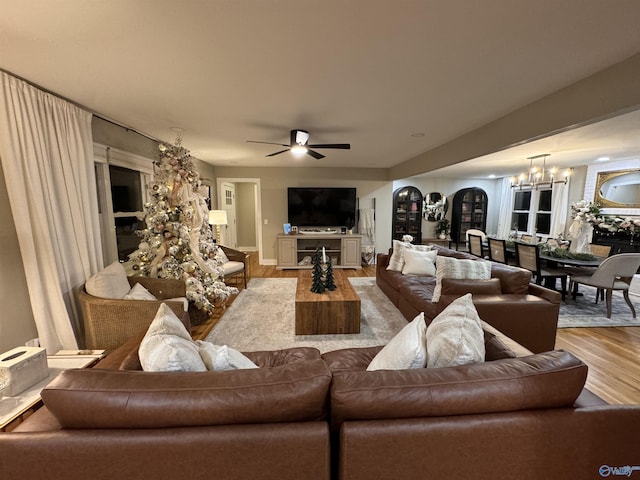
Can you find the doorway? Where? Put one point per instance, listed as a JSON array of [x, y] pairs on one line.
[[244, 195]]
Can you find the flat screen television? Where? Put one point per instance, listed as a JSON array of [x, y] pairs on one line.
[[321, 207]]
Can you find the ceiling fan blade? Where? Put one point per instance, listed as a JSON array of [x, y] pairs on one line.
[[315, 155], [268, 143], [277, 153], [344, 146]]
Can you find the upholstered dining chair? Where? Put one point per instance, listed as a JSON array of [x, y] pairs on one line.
[[475, 245], [497, 250], [614, 273], [600, 250], [528, 257]]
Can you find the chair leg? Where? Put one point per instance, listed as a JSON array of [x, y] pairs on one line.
[[609, 295], [625, 294], [563, 285]]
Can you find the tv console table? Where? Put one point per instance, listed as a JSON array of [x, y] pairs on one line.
[[296, 251]]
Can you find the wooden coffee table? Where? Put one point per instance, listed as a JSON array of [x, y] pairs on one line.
[[326, 313]]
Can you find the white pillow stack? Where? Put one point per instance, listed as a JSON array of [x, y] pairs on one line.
[[138, 292], [408, 349], [111, 282], [168, 347], [419, 263], [396, 261], [455, 337]]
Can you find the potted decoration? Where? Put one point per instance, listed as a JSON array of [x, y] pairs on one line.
[[442, 228]]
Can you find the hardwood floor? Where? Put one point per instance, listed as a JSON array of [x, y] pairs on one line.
[[612, 354]]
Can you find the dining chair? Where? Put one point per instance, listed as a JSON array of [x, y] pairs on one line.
[[600, 250], [497, 250], [475, 245], [528, 257], [614, 273]]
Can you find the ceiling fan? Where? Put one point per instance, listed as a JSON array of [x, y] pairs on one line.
[[298, 145]]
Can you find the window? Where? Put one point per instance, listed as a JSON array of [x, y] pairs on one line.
[[532, 211], [121, 181]]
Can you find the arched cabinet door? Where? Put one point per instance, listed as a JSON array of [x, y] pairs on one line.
[[469, 211], [407, 214]]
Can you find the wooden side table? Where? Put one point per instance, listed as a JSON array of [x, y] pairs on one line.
[[14, 409]]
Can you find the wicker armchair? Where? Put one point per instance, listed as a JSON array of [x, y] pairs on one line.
[[238, 264], [108, 323]]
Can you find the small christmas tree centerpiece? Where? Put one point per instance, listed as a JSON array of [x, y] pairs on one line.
[[317, 283], [178, 241]]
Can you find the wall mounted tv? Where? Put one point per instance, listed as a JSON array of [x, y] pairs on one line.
[[321, 207]]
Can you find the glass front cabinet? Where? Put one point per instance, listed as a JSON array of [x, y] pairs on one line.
[[469, 212], [407, 214]]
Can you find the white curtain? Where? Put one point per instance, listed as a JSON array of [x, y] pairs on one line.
[[47, 158], [559, 209], [506, 202]]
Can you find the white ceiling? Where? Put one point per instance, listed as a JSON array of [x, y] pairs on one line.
[[366, 72]]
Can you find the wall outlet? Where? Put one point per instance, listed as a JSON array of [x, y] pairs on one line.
[[266, 221], [34, 342]]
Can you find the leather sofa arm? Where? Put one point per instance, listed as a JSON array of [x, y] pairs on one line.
[[549, 295]]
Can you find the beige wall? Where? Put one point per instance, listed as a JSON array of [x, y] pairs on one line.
[[369, 183]]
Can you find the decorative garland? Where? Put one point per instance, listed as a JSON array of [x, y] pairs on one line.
[[590, 212]]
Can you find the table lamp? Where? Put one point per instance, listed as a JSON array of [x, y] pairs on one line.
[[217, 218]]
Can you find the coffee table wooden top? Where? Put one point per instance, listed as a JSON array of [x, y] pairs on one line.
[[343, 292], [331, 312]]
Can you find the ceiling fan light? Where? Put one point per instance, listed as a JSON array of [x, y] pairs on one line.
[[298, 150]]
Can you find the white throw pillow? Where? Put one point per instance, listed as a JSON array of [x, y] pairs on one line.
[[396, 262], [138, 292], [419, 263], [222, 357], [406, 350], [455, 337], [111, 282], [168, 347], [448, 267]]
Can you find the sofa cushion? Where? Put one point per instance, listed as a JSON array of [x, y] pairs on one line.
[[546, 380], [92, 398], [111, 282], [447, 267], [419, 263], [407, 349], [461, 286], [168, 347], [455, 336]]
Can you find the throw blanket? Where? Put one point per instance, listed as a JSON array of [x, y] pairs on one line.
[[366, 222]]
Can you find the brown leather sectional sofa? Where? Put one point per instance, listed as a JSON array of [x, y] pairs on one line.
[[306, 416], [524, 311]]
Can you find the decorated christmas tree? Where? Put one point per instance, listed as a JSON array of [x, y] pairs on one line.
[[178, 241]]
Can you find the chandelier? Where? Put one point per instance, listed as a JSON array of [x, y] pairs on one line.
[[539, 177]]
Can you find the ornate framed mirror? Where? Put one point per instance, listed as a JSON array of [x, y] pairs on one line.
[[435, 206], [618, 189]]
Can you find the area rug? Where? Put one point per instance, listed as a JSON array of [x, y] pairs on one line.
[[262, 317], [584, 312]]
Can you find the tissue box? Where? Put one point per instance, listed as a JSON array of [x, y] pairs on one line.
[[22, 367]]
